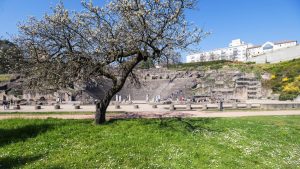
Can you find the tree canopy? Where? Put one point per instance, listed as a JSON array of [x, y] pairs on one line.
[[9, 57], [103, 43]]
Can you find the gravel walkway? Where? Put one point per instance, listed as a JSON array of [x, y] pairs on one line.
[[183, 114]]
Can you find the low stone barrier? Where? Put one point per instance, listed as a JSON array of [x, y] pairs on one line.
[[243, 105], [280, 106], [154, 106], [255, 106], [212, 106], [135, 106], [264, 106]]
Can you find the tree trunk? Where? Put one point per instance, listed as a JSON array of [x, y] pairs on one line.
[[101, 106]]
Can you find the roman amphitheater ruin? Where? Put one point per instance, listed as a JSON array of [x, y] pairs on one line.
[[165, 85], [203, 89]]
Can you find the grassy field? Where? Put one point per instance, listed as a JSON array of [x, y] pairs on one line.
[[256, 142]]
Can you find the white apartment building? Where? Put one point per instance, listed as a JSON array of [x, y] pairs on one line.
[[238, 50]]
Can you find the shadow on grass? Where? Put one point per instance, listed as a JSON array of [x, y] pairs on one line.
[[9, 136], [178, 124], [17, 161], [132, 115], [188, 125]]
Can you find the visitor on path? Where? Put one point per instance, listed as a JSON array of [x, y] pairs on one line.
[[57, 100], [4, 104], [221, 105], [7, 104]]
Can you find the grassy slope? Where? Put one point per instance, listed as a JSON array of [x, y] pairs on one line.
[[256, 142]]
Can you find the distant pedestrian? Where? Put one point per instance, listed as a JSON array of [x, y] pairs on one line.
[[7, 104], [4, 104], [221, 105], [57, 100]]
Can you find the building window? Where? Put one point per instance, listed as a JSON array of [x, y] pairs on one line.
[[267, 47]]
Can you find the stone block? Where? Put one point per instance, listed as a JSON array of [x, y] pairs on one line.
[[204, 107], [37, 107], [249, 106], [189, 107], [172, 107], [57, 107], [242, 106], [17, 107], [234, 105]]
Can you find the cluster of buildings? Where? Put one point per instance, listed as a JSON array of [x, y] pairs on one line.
[[238, 50]]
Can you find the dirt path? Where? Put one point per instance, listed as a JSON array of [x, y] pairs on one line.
[[156, 115]]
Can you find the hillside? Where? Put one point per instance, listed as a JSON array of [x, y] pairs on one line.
[[211, 78], [284, 76]]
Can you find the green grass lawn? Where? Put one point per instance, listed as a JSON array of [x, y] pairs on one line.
[[252, 142]]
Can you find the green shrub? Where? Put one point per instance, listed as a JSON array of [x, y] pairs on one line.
[[287, 96]]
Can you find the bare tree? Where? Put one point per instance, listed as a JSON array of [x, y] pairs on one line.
[[103, 43]]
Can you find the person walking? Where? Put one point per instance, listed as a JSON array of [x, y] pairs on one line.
[[57, 100], [5, 105]]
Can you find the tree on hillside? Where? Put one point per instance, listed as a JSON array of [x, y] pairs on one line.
[[9, 57], [103, 43]]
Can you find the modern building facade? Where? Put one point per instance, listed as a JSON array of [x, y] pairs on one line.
[[238, 50], [269, 47]]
